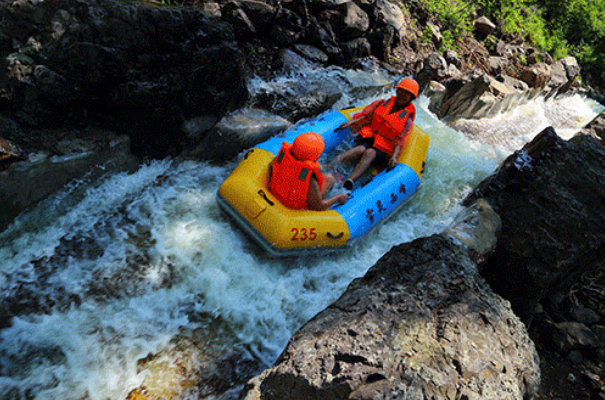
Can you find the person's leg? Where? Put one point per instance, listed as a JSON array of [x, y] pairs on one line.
[[350, 155], [366, 159], [328, 183]]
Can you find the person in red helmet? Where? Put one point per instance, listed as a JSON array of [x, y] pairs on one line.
[[382, 129], [296, 179]]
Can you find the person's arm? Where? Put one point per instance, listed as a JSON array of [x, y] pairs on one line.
[[393, 159], [315, 201], [362, 118]]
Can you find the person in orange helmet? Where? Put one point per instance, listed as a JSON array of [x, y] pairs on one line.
[[296, 179], [382, 129]]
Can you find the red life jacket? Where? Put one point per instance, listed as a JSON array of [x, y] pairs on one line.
[[386, 128], [291, 177]]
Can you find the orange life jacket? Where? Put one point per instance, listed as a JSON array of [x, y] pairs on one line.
[[291, 177], [386, 128]]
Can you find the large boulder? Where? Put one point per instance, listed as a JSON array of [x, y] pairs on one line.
[[194, 366], [421, 324], [75, 154], [139, 69], [551, 198]]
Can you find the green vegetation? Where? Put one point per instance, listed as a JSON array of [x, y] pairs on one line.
[[456, 17], [573, 27], [427, 35]]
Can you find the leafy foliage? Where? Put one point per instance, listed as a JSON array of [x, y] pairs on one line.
[[456, 17], [572, 27], [581, 23]]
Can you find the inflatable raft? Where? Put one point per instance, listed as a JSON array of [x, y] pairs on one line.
[[284, 232]]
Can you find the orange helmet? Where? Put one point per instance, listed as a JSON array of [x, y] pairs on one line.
[[308, 146], [409, 85]]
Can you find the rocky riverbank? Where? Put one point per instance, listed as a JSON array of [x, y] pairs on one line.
[[110, 83], [163, 77]]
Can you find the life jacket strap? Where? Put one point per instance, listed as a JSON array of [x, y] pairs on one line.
[[303, 174]]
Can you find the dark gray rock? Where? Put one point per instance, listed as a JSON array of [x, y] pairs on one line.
[[596, 128], [585, 315], [469, 100], [312, 53], [235, 133], [543, 193], [569, 336], [137, 69], [86, 153], [420, 324]]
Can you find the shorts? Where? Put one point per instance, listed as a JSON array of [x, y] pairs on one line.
[[381, 157]]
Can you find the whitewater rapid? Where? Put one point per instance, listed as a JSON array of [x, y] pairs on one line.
[[116, 267]]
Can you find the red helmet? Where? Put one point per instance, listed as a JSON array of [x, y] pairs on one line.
[[409, 85], [308, 146]]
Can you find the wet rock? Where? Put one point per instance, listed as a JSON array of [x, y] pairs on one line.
[[596, 128], [420, 324], [295, 100], [9, 153], [192, 367], [469, 100], [133, 68], [74, 155], [585, 315], [478, 228], [436, 92], [357, 48], [289, 62], [235, 133], [478, 95], [312, 53], [543, 193], [568, 336]]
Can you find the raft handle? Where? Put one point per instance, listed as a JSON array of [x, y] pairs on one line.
[[264, 196], [332, 236]]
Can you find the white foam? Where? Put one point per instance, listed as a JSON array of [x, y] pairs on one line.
[[189, 259]]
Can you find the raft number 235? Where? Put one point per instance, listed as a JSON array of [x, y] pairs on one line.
[[303, 234]]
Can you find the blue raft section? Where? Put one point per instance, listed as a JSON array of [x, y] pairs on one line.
[[368, 204]]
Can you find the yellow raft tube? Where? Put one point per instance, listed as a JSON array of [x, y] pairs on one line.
[[284, 232]]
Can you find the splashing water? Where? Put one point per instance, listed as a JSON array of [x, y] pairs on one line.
[[104, 273], [510, 130]]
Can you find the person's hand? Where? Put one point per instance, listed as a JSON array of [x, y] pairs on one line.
[[344, 125], [392, 161], [342, 198]]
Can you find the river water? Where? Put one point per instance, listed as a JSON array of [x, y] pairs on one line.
[[106, 272]]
